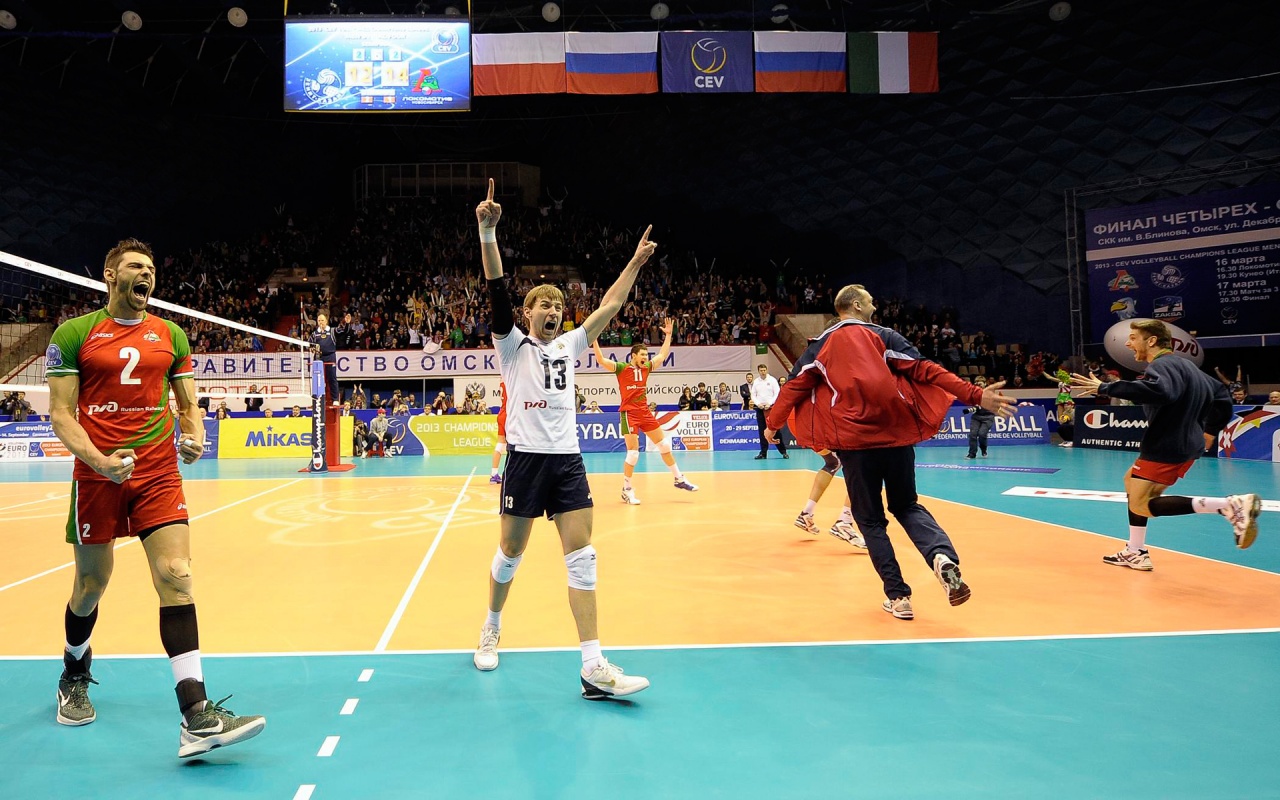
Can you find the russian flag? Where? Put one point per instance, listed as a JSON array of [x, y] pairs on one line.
[[800, 61], [518, 63], [611, 63], [893, 63]]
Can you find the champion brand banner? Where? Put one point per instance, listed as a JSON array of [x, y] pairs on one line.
[[1110, 427], [696, 62]]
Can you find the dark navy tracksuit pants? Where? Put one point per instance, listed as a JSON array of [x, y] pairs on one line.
[[894, 468]]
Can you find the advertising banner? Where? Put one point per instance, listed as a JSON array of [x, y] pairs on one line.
[[1028, 425], [1253, 434], [735, 430], [1209, 262], [451, 435], [260, 437], [1110, 427], [24, 441], [397, 364], [602, 433]]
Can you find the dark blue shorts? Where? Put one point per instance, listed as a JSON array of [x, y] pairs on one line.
[[534, 484]]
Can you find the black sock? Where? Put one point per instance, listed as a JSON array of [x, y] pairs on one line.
[[1170, 506], [1137, 521], [78, 631], [179, 634]]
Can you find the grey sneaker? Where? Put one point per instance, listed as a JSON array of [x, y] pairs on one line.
[[216, 727], [845, 531], [74, 707], [948, 573]]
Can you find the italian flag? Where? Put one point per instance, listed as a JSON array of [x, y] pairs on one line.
[[893, 63]]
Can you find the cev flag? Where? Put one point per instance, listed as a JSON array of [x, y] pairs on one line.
[[697, 62]]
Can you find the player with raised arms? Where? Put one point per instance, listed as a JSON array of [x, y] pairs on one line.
[[544, 472], [633, 382], [110, 373]]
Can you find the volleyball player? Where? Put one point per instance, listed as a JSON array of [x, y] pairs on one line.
[[109, 374], [1186, 410], [842, 528], [545, 473], [635, 416], [501, 446]]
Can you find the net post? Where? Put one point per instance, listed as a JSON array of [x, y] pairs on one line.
[[319, 459]]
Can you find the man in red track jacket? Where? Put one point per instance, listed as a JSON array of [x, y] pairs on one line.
[[864, 392]]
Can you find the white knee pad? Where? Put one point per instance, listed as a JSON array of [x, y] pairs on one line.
[[633, 457], [664, 446], [582, 568], [500, 447], [504, 566]]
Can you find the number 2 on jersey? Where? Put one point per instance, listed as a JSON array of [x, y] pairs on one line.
[[126, 374], [560, 367]]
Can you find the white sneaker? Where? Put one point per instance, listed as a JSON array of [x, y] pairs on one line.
[[1242, 512], [845, 530], [607, 680], [804, 521], [486, 657], [629, 497], [948, 573]]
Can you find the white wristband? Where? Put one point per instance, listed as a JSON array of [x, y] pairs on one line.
[[488, 235]]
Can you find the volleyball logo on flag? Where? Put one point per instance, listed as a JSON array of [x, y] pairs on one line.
[[697, 63]]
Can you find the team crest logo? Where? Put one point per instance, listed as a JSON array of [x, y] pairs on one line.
[[150, 336], [325, 88], [1122, 282], [1167, 308], [446, 42], [1168, 278], [1125, 308], [53, 356], [476, 389]]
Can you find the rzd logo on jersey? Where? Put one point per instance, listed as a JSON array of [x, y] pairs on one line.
[[532, 404], [105, 408]]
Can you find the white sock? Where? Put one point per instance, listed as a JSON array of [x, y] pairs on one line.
[[626, 482], [675, 470], [810, 506], [186, 666], [591, 655], [1137, 538], [1208, 505], [846, 515], [493, 472], [78, 651], [493, 620]]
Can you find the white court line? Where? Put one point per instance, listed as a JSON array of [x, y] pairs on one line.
[[304, 791], [1046, 493], [365, 675], [330, 744], [1103, 535], [349, 707], [33, 502], [422, 568], [130, 541], [1048, 637]]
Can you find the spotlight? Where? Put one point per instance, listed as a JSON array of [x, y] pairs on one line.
[[333, 8], [1059, 11], [659, 12], [452, 11], [551, 12], [237, 17], [780, 14], [131, 20], [421, 8], [7, 20]]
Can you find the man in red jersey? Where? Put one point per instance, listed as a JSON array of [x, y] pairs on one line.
[[633, 380], [110, 373]]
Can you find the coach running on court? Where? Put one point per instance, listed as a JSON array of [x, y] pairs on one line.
[[862, 391]]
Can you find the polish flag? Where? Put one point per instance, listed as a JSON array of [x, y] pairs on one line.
[[518, 63]]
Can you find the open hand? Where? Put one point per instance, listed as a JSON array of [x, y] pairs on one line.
[[667, 326], [1086, 385], [999, 404], [488, 212]]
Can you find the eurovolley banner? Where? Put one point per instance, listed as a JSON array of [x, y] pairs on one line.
[[31, 441]]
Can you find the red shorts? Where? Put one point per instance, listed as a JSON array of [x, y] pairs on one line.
[[102, 510], [502, 422], [1156, 472], [637, 421]]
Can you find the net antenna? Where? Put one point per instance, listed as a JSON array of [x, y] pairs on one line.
[[35, 298]]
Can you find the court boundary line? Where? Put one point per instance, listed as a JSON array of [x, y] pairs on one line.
[[1050, 637], [1103, 535], [133, 539], [394, 622]]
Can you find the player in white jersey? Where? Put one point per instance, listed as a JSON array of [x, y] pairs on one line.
[[545, 473]]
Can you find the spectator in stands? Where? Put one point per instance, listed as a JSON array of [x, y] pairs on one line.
[[358, 399], [295, 412], [579, 399], [222, 413], [744, 391], [268, 413], [685, 403], [594, 408], [723, 397], [17, 406], [253, 400], [346, 408], [701, 398], [360, 435], [440, 405], [1273, 399]]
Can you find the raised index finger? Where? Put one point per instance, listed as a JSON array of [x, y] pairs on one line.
[[645, 237], [490, 197]]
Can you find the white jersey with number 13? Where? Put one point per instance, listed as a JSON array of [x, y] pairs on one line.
[[541, 411]]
